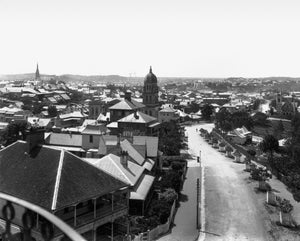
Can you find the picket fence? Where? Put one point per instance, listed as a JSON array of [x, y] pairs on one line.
[[159, 230]]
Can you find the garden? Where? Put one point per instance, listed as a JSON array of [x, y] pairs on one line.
[[167, 188]]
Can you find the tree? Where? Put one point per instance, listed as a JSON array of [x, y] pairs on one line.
[[223, 120], [37, 108], [279, 129], [52, 111], [270, 144], [14, 132], [169, 195], [192, 108], [161, 209], [76, 96], [241, 118], [171, 180], [207, 111], [170, 139], [273, 104], [256, 104]]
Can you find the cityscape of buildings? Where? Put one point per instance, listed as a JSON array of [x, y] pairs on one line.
[[112, 160]]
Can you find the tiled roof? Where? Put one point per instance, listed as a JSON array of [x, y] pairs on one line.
[[112, 165], [51, 178], [138, 117]]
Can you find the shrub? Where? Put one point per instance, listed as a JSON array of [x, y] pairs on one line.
[[251, 152], [228, 148], [260, 174], [285, 205], [145, 223], [296, 195], [161, 209], [169, 195], [176, 165], [171, 180], [166, 163]]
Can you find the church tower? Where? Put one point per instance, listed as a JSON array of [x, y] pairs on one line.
[[37, 73], [150, 94]]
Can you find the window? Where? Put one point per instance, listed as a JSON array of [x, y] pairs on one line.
[[91, 139]]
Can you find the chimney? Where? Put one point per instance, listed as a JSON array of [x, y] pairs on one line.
[[34, 137], [124, 158], [128, 95], [136, 116]]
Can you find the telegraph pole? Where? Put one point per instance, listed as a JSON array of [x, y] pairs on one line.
[[197, 204]]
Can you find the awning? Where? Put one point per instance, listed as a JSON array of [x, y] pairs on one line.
[[142, 189], [149, 163]]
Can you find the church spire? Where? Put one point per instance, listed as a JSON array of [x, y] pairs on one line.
[[150, 71], [37, 72]]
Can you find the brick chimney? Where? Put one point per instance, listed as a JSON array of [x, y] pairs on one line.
[[124, 158], [35, 137]]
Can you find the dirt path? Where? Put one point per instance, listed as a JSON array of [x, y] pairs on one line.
[[231, 211]]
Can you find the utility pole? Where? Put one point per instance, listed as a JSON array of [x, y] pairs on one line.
[[197, 204]]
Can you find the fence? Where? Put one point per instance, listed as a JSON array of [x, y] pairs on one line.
[[159, 230]]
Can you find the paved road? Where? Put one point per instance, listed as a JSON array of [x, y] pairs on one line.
[[230, 205]]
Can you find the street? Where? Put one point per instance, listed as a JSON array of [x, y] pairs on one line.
[[230, 205]]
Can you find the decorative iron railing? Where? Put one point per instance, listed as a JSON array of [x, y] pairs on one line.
[[20, 216]]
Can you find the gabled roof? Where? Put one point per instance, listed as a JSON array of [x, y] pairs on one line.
[[94, 130], [151, 143], [141, 190], [132, 152], [51, 178], [112, 165], [138, 117], [127, 105]]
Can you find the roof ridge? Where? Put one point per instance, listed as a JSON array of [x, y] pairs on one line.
[[120, 169], [10, 145], [57, 181]]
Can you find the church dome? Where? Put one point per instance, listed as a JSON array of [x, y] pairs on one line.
[[150, 77]]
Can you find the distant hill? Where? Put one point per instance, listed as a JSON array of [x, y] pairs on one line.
[[113, 79]]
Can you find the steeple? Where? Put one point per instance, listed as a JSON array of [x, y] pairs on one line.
[[37, 72], [150, 71]]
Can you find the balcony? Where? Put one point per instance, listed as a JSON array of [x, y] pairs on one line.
[[18, 221]]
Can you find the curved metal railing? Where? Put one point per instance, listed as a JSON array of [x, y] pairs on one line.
[[27, 221]]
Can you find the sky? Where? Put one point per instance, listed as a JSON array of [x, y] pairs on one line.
[[178, 38]]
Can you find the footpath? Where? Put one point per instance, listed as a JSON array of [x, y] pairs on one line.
[[185, 223]]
